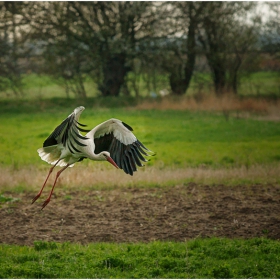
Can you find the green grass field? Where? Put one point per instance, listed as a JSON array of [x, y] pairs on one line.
[[182, 139], [199, 258]]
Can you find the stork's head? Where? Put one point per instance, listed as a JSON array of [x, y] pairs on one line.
[[106, 156]]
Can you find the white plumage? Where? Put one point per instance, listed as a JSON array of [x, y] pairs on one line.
[[111, 140]]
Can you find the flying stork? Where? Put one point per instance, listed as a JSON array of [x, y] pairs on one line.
[[111, 140]]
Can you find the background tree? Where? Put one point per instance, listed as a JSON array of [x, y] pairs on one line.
[[13, 39], [181, 66], [224, 38], [106, 33], [271, 29], [173, 50]]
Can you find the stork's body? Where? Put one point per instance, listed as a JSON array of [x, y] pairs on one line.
[[111, 140]]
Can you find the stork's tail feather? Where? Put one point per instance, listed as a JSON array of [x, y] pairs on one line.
[[51, 155]]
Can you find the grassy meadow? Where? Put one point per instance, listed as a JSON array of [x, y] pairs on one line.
[[227, 141], [191, 145], [199, 258]]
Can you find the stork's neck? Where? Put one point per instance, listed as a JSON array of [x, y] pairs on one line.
[[91, 155], [100, 157], [91, 146], [89, 151]]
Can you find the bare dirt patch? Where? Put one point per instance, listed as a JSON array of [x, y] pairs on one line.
[[175, 213]]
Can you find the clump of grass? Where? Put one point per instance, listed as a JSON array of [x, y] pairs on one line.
[[5, 199], [43, 245]]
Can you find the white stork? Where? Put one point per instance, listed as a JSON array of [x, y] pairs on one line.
[[111, 140]]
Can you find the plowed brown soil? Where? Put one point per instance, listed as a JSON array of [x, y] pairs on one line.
[[130, 215]]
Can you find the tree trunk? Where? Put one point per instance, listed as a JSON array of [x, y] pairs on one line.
[[114, 73], [219, 76], [233, 74], [191, 48], [179, 83]]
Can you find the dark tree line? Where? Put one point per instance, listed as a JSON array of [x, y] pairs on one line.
[[105, 41]]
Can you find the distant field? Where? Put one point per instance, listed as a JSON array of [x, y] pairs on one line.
[[255, 84], [261, 84]]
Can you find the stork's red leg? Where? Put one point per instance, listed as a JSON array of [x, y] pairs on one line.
[[40, 192], [57, 175]]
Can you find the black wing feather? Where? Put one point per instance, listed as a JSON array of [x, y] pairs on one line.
[[73, 147], [80, 136], [66, 131], [78, 142], [127, 157], [127, 126], [81, 129], [103, 143], [51, 140], [136, 159], [130, 161], [138, 152], [81, 124], [115, 154]]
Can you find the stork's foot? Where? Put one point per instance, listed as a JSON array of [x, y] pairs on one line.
[[45, 203], [36, 197]]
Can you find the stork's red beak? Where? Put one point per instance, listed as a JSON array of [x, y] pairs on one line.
[[112, 161]]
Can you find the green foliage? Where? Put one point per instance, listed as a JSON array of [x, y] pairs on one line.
[[222, 272], [199, 258]]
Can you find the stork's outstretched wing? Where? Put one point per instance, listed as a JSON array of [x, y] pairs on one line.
[[117, 138], [68, 130], [66, 134]]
